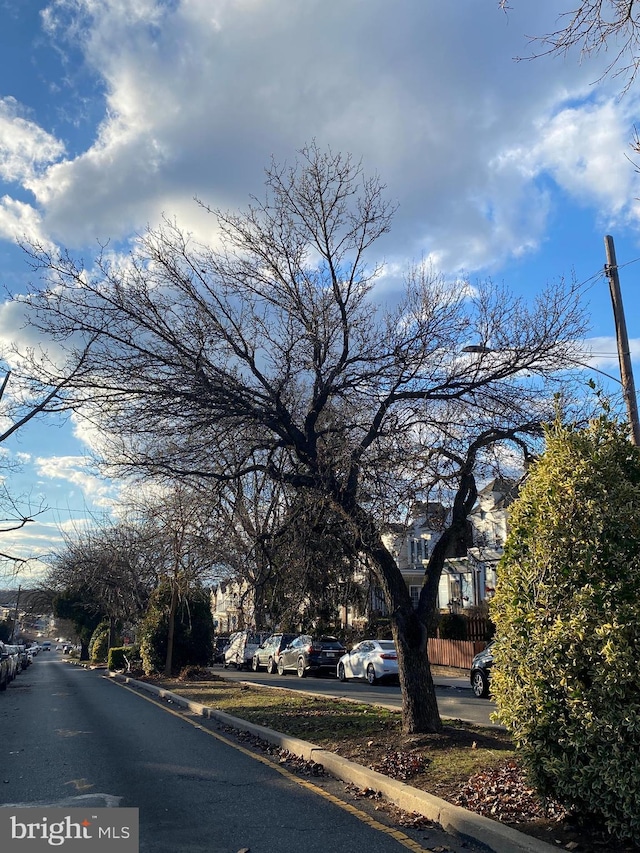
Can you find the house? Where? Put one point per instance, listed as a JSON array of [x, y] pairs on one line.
[[468, 577], [490, 516], [232, 606], [489, 520], [412, 545]]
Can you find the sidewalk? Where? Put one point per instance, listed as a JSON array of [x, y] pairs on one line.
[[495, 836]]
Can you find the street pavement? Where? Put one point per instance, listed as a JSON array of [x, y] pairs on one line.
[[68, 732], [453, 693]]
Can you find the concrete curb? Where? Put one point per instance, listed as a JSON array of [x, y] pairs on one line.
[[495, 836]]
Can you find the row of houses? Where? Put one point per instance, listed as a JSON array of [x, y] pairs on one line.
[[468, 580]]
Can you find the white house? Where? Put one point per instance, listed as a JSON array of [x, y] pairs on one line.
[[232, 606], [412, 545]]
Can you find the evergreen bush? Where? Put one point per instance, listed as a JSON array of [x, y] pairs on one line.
[[452, 626], [567, 613], [193, 637], [99, 643], [119, 655]]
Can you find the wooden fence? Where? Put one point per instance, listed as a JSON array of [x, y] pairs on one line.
[[456, 653], [478, 628]]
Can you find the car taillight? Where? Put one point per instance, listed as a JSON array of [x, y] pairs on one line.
[[389, 657], [309, 649]]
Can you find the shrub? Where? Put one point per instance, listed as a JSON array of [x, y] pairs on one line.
[[99, 643], [567, 613], [119, 655], [193, 635], [452, 626]]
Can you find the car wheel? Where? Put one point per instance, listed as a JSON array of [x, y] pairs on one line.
[[480, 684], [341, 673], [301, 670], [280, 667], [255, 664], [371, 674], [271, 666]]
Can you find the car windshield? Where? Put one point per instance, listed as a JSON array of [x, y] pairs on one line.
[[387, 645]]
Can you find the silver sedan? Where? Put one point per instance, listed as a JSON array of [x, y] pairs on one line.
[[370, 659]]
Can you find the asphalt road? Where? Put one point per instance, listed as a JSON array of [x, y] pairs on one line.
[[68, 732], [455, 697]]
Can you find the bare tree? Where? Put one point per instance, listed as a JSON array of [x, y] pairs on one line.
[[597, 26], [36, 387], [106, 572], [286, 548], [274, 353], [180, 547]]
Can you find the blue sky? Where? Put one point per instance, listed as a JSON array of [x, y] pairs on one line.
[[113, 112]]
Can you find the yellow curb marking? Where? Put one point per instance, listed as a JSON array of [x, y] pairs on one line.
[[400, 837]]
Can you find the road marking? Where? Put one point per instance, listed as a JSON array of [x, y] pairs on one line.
[[80, 784], [396, 834]]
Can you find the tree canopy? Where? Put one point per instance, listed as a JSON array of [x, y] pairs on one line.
[[594, 27], [273, 352]]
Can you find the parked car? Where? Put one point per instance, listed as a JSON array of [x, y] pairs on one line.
[[12, 657], [480, 675], [241, 649], [266, 655], [4, 667], [307, 654], [370, 659], [15, 658], [220, 643]]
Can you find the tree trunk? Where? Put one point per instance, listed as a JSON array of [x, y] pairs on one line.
[[112, 631], [420, 713], [419, 705], [171, 630]]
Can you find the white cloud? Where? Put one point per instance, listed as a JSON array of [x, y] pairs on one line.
[[584, 148], [21, 221], [77, 471], [199, 94], [25, 148], [601, 353]]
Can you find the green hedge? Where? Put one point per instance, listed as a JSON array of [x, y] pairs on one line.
[[567, 613], [117, 654], [99, 643]]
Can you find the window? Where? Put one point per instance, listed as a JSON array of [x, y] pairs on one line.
[[414, 592]]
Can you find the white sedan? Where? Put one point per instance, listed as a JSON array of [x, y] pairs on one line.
[[370, 659]]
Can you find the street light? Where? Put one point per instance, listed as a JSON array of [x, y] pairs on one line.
[[628, 388]]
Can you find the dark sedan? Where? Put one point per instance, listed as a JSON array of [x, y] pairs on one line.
[[307, 654], [480, 675]]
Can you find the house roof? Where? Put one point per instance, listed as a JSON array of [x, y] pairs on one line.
[[503, 490]]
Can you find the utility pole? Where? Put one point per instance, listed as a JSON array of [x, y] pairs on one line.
[[624, 357], [15, 616]]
